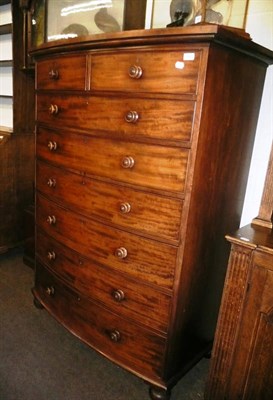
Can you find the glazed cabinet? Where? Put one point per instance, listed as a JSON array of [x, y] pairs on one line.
[[143, 144]]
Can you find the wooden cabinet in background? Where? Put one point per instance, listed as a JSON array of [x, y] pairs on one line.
[[242, 360], [143, 147], [242, 357], [17, 140]]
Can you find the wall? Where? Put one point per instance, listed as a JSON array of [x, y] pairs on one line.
[[260, 26]]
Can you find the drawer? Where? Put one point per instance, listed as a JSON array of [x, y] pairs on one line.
[[124, 296], [145, 71], [152, 166], [123, 206], [112, 116], [124, 342], [62, 73], [141, 258]]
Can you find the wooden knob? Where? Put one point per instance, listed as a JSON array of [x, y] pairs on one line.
[[118, 295], [53, 109], [115, 336], [51, 255], [135, 72], [51, 182], [131, 117], [52, 145], [53, 74], [50, 290], [125, 208], [121, 252], [51, 219], [128, 162]]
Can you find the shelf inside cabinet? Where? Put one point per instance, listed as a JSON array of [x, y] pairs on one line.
[[4, 2], [5, 29], [6, 63], [5, 133]]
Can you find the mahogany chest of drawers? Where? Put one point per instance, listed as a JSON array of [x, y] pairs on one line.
[[143, 146]]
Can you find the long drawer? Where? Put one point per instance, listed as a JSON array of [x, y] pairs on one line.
[[162, 71], [141, 258], [122, 341], [66, 73], [152, 166], [126, 207], [122, 295], [125, 116]]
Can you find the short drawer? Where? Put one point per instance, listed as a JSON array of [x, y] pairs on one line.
[[139, 257], [62, 73], [124, 342], [112, 116], [146, 71], [152, 166], [122, 206], [122, 295]]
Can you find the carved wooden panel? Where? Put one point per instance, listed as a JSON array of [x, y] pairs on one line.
[[229, 320], [242, 362], [265, 216]]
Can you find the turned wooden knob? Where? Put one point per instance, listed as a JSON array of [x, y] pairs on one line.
[[53, 109], [51, 219], [118, 295], [128, 162], [51, 182], [53, 74], [121, 252], [131, 117], [52, 145], [135, 72], [51, 255], [125, 208], [115, 336], [50, 290]]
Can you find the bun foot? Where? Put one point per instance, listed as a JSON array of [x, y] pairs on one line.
[[37, 304], [157, 393]]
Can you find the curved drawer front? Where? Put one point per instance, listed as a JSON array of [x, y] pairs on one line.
[[151, 166], [142, 258], [128, 208], [160, 119], [62, 73], [146, 71], [124, 342], [124, 296]]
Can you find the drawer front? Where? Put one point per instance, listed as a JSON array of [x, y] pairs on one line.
[[128, 208], [122, 341], [146, 71], [124, 296], [151, 166], [127, 117], [142, 258], [62, 73]]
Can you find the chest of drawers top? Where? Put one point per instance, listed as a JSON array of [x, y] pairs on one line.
[[142, 71]]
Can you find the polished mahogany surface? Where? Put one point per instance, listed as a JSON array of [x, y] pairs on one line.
[[143, 146]]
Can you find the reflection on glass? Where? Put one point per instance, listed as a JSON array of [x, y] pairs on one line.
[[37, 23], [71, 18], [189, 12]]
